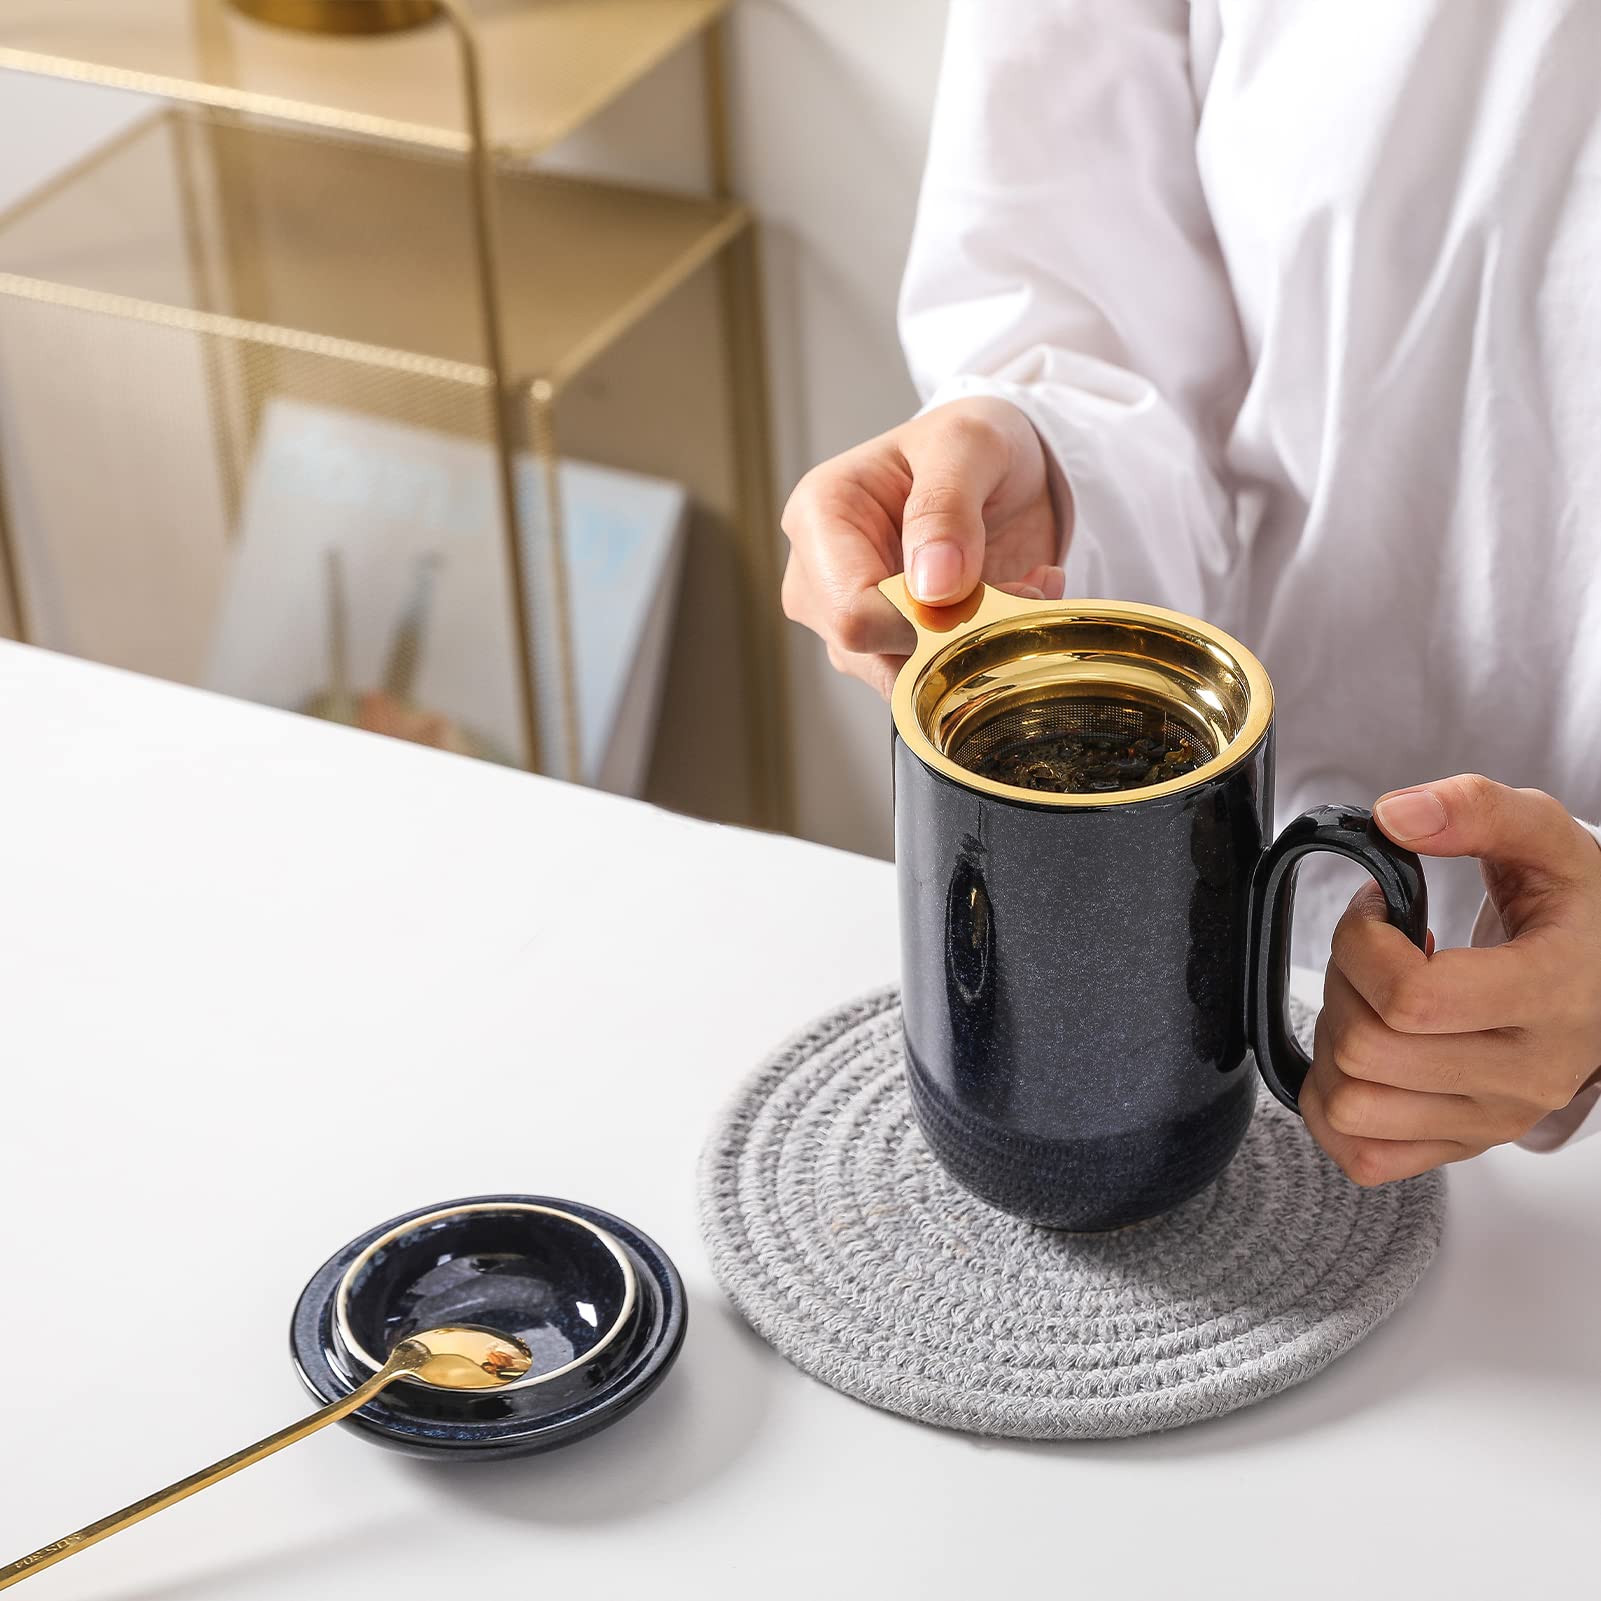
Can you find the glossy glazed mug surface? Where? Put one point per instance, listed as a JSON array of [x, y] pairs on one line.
[[1085, 978]]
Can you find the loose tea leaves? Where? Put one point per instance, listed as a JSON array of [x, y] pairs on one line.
[[1088, 764]]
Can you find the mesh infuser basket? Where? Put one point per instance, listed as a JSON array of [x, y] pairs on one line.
[[1029, 731]]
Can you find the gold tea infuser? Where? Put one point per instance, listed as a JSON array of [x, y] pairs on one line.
[[995, 669], [451, 1358]]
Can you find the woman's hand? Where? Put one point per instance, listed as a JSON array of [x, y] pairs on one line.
[[955, 495], [1424, 1059]]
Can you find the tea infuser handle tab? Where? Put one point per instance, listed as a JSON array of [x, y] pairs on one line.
[[1347, 831], [935, 624]]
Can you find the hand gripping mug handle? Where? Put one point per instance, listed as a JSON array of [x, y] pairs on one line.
[[1347, 831]]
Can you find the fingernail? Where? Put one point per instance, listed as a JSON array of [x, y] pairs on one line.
[[936, 573], [1054, 583], [1413, 814]]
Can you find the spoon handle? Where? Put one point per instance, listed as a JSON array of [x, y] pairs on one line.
[[69, 1545]]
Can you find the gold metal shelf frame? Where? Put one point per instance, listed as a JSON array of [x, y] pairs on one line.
[[332, 266], [548, 65]]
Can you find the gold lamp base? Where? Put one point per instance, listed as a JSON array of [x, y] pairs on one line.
[[341, 16]]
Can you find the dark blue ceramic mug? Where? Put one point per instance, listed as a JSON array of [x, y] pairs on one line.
[[1086, 976]]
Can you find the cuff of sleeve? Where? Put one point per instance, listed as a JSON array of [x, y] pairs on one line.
[[1575, 1121], [1580, 1118], [1149, 519]]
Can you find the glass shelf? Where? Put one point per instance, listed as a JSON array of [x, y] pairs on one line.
[[548, 65], [357, 241]]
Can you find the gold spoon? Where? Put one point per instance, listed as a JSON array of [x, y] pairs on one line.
[[448, 1358]]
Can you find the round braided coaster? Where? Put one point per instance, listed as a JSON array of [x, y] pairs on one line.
[[845, 1245]]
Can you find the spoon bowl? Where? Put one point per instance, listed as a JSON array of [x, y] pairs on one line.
[[461, 1358]]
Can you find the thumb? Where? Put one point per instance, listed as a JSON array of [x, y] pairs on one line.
[[1470, 815], [957, 463]]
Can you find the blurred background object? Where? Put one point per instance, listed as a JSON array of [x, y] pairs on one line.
[[341, 16], [244, 324]]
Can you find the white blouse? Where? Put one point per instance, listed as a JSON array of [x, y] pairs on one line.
[[1305, 300]]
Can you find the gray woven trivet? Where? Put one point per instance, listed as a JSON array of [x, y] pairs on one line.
[[839, 1238]]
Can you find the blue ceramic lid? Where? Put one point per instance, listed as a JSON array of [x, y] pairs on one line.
[[598, 1303]]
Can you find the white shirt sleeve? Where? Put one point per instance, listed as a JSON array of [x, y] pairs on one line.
[[1579, 1118], [1064, 258]]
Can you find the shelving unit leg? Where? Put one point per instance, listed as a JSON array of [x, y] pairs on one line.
[[14, 611], [763, 640], [481, 178]]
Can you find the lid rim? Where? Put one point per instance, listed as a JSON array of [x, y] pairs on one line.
[[625, 1313], [661, 1319]]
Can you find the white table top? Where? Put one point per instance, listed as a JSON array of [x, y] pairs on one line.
[[229, 936]]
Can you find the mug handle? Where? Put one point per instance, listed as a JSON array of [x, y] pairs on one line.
[[1347, 831]]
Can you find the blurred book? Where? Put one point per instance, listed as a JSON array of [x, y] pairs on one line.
[[363, 543]]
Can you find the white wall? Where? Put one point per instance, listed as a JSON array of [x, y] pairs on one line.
[[123, 561], [48, 124], [830, 103]]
